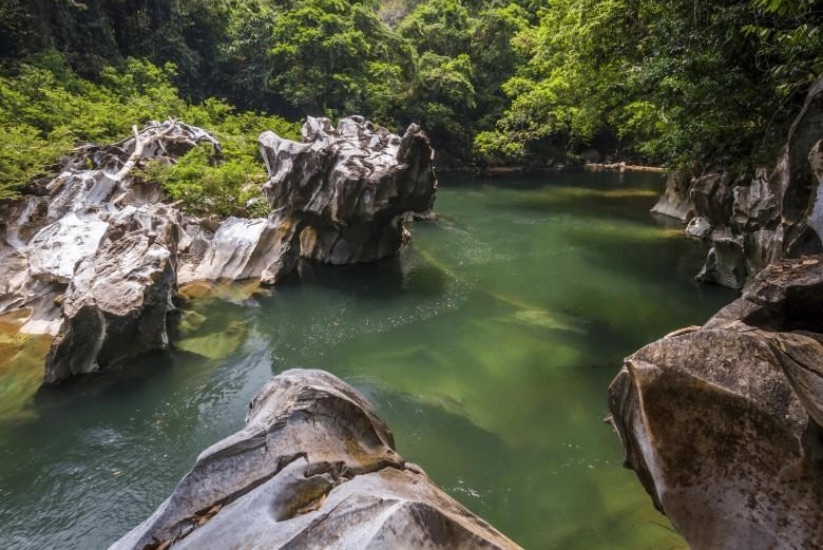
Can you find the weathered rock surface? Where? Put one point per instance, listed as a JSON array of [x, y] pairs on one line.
[[753, 222], [314, 467], [722, 423], [94, 260], [97, 260], [348, 189]]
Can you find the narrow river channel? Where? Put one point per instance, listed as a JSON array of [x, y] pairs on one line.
[[487, 346]]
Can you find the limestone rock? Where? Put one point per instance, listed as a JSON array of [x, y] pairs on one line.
[[239, 249], [676, 201], [348, 189], [314, 467], [722, 424], [776, 214], [94, 261], [97, 261], [118, 299]]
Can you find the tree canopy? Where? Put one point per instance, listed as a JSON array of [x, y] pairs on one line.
[[492, 81]]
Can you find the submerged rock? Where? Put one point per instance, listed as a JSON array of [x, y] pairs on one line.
[[722, 423], [314, 467], [751, 222]]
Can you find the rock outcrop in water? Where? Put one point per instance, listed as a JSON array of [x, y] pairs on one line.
[[314, 467], [96, 258], [722, 423], [751, 223], [348, 189]]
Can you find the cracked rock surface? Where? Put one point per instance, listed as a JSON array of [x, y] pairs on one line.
[[349, 188], [722, 423], [753, 221], [314, 467], [92, 257]]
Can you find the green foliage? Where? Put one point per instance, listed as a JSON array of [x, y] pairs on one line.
[[663, 81], [47, 109], [230, 185], [674, 82], [442, 27], [322, 51]]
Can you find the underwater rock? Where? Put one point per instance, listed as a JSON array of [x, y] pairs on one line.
[[722, 423], [314, 467]]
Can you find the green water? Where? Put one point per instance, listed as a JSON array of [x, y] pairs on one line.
[[487, 345]]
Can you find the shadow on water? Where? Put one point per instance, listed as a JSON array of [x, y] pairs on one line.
[[114, 382]]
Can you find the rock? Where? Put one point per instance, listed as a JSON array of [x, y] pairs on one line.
[[117, 302], [776, 214], [97, 262], [94, 261], [676, 201], [698, 228], [348, 189], [722, 424], [239, 249], [725, 264], [314, 467]]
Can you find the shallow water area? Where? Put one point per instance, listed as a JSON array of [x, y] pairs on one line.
[[487, 346]]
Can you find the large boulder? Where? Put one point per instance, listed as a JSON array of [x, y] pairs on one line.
[[119, 297], [348, 189], [751, 222], [722, 423], [314, 467]]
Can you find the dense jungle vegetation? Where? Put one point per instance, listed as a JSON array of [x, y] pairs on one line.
[[493, 82]]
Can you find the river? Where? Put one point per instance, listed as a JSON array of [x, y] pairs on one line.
[[487, 346]]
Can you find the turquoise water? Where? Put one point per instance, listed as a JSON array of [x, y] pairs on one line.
[[487, 345]]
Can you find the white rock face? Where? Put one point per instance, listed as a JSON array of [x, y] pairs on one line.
[[94, 262], [57, 249]]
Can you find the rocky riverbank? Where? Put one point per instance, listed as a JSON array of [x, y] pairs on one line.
[[751, 222], [314, 467], [723, 423], [96, 259]]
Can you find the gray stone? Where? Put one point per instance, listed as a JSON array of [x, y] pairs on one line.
[[314, 467], [349, 189], [777, 214], [97, 262], [722, 424], [676, 202]]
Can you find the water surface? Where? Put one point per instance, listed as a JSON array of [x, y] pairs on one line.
[[487, 346]]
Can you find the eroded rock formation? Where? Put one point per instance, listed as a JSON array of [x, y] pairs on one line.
[[349, 188], [341, 196], [96, 258], [93, 259], [753, 222], [722, 423], [314, 467]]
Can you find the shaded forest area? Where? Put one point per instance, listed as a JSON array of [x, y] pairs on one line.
[[704, 83]]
